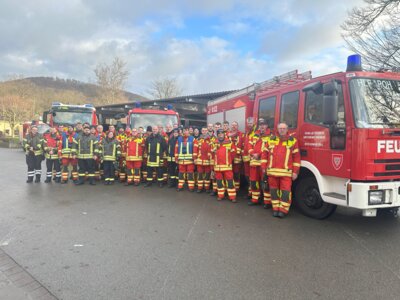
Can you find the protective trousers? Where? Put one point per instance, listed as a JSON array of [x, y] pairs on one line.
[[109, 171], [236, 168], [186, 172], [50, 164], [86, 166], [225, 179], [157, 170], [281, 194], [203, 177], [172, 173], [133, 171], [34, 166], [66, 162]]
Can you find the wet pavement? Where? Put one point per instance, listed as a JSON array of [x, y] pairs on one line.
[[117, 242]]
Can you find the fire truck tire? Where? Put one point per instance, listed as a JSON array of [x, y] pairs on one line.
[[309, 201]]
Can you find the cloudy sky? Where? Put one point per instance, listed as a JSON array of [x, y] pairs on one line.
[[208, 45]]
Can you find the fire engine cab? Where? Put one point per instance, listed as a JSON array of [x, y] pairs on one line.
[[68, 114], [140, 117], [348, 128]]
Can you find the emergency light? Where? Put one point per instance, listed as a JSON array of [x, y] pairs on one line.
[[138, 104], [169, 106], [89, 105], [354, 63], [56, 104]]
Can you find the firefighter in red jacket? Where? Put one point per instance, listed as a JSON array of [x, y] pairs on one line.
[[282, 167], [67, 139], [134, 157], [256, 176], [224, 152], [251, 129], [185, 154], [52, 151], [203, 161], [237, 138]]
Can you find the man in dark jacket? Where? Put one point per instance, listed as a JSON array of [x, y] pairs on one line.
[[33, 145], [155, 147], [86, 149]]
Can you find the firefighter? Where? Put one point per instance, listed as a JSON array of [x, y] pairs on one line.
[[155, 146], [256, 175], [86, 149], [165, 161], [172, 166], [210, 129], [52, 149], [185, 153], [251, 129], [67, 141], [236, 137], [99, 170], [282, 167], [134, 157], [33, 145], [110, 153], [203, 161], [146, 134], [225, 127], [121, 137], [224, 152], [213, 141]]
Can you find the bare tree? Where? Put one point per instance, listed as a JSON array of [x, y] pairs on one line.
[[112, 79], [374, 32], [165, 88], [15, 110]]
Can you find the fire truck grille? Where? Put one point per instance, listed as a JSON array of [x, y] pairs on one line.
[[390, 165]]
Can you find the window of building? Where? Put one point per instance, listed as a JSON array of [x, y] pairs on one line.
[[290, 108], [267, 111]]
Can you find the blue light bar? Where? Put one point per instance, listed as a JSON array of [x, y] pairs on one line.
[[138, 104], [89, 105], [354, 63], [169, 107], [56, 104]]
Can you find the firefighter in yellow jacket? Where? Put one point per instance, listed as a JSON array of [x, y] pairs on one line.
[[282, 166]]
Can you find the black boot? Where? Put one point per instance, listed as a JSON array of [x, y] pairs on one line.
[[91, 181], [58, 179], [80, 181], [30, 179], [38, 178], [275, 213], [48, 180]]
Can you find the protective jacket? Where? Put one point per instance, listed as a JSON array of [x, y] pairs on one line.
[[155, 148], [134, 149], [171, 148], [256, 147], [204, 151], [67, 142], [86, 146], [238, 140], [34, 141], [281, 157], [52, 143], [246, 144], [110, 149], [186, 149], [224, 153]]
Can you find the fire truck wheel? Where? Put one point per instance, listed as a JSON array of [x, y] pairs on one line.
[[309, 201]]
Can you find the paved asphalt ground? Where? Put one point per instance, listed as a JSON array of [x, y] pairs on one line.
[[136, 243]]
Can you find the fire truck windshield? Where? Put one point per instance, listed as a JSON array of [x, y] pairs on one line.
[[376, 102], [144, 120], [71, 117]]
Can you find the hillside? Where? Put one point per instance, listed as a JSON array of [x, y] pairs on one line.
[[40, 92]]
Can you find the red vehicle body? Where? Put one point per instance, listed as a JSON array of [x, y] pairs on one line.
[[348, 127], [138, 117], [68, 114]]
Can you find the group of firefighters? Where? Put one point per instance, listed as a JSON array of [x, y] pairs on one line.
[[211, 159]]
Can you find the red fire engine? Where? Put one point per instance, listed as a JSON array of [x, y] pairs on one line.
[[67, 114], [138, 117], [348, 127]]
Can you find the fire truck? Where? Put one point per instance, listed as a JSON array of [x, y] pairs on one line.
[[143, 117], [67, 114], [348, 128]]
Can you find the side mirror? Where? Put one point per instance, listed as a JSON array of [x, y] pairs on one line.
[[54, 114], [330, 103]]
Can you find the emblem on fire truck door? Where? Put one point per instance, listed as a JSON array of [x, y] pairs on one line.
[[337, 161]]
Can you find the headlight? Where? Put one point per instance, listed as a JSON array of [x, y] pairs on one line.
[[376, 197]]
